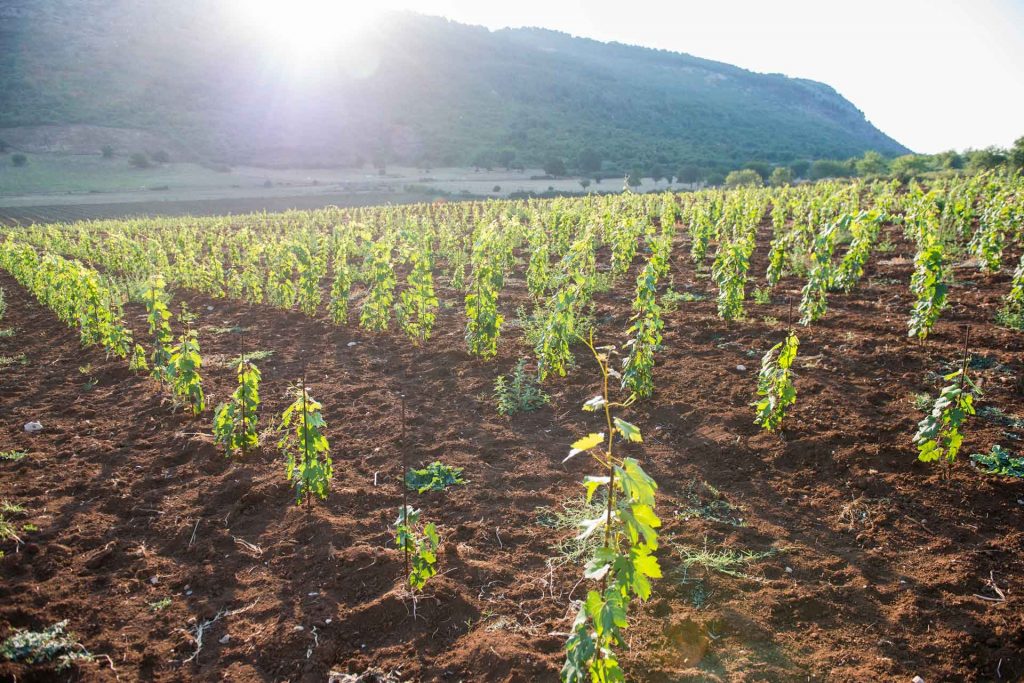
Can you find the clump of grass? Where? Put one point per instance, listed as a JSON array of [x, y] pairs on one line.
[[1010, 318], [728, 561], [234, 329], [671, 299], [762, 295], [570, 516], [251, 357], [7, 333], [13, 456], [704, 501], [1000, 417], [21, 359]]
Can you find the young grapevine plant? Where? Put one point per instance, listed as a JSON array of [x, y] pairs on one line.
[[775, 383], [183, 368], [938, 435], [419, 544], [928, 286], [307, 452], [624, 564], [159, 316], [235, 422]]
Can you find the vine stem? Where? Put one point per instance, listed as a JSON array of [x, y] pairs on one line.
[[963, 383], [305, 438], [405, 490]]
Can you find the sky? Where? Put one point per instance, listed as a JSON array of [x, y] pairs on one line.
[[933, 74]]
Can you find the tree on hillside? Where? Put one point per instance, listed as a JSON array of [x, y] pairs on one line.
[[800, 168], [634, 178], [139, 160], [1016, 155], [746, 177], [829, 168], [950, 160], [985, 159], [19, 159], [872, 163], [763, 169], [554, 166], [910, 166], [588, 161], [584, 183], [687, 174], [107, 152], [161, 157], [506, 158], [781, 175]]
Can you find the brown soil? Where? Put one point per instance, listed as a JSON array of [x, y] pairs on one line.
[[880, 568]]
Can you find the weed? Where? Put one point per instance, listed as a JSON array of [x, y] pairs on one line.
[[52, 644], [160, 605], [762, 295], [20, 359], [518, 392], [569, 518], [1000, 461], [724, 561], [13, 456], [434, 477], [704, 501]]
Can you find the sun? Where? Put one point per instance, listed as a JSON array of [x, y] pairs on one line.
[[302, 32]]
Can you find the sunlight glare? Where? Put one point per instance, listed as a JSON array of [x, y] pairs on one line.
[[304, 31]]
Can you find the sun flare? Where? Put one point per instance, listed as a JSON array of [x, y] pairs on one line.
[[304, 31]]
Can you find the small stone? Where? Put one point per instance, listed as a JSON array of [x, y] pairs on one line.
[[299, 628], [225, 640], [351, 344], [154, 580], [916, 679], [741, 368], [789, 570], [33, 427]]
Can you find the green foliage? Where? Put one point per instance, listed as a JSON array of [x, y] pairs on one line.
[[1000, 461], [624, 564], [419, 542], [235, 422], [730, 274], [158, 316], [183, 369], [928, 286], [137, 363], [417, 303], [814, 295], [52, 644], [775, 383], [743, 178], [306, 450], [646, 327], [434, 477], [864, 230], [518, 392], [938, 434], [1012, 313], [381, 281], [12, 456]]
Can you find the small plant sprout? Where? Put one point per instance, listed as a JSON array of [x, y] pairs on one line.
[[624, 563], [235, 422], [158, 316], [434, 477], [305, 447], [418, 542], [938, 434]]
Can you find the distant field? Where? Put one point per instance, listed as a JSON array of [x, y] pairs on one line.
[[78, 186]]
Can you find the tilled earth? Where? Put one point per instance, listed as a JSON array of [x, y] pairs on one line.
[[853, 561]]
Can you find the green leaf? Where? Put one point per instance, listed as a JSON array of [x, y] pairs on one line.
[[629, 431]]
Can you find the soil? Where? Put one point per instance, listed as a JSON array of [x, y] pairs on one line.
[[870, 566]]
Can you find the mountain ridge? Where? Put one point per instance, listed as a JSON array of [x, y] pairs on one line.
[[427, 90]]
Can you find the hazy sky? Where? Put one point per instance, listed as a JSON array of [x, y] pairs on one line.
[[934, 74]]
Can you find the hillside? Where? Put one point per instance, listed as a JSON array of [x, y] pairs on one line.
[[415, 89]]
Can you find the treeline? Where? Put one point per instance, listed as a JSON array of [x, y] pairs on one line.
[[590, 166]]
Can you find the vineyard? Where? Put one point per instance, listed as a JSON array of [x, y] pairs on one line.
[[757, 434]]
